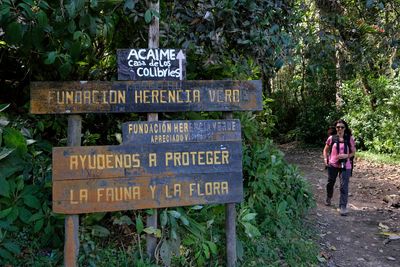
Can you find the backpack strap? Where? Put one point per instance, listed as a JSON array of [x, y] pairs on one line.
[[335, 140]]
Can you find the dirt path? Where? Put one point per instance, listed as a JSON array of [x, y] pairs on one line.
[[370, 234]]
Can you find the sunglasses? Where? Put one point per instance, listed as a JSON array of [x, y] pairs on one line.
[[340, 127]]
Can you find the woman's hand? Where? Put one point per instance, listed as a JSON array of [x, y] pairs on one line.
[[343, 156]]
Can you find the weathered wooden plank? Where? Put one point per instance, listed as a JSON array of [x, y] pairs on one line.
[[144, 96], [150, 160], [151, 64], [143, 132], [99, 195]]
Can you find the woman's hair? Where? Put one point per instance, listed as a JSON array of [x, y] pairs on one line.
[[347, 131]]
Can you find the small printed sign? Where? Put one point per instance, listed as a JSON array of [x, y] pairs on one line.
[[156, 132], [144, 96], [109, 178], [151, 64]]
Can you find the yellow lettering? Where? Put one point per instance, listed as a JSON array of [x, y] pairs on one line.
[[109, 161], [177, 159], [216, 157], [118, 161], [191, 189], [216, 188], [73, 162], [225, 157], [135, 160], [83, 195], [69, 97], [136, 192], [152, 159], [86, 97], [121, 96], [209, 157], [146, 96], [152, 189], [94, 98], [172, 96], [128, 193], [109, 194], [78, 97], [177, 190], [224, 188], [236, 95], [71, 198], [101, 162], [196, 96], [168, 157], [200, 156], [199, 193], [99, 193], [228, 96], [154, 96], [92, 162], [118, 193], [167, 195], [138, 96]]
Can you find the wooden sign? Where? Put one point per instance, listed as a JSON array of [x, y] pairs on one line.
[[145, 132], [144, 96], [151, 64], [110, 178]]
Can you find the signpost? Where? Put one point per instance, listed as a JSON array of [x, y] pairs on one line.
[[160, 163]]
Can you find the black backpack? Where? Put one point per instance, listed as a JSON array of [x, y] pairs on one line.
[[347, 148]]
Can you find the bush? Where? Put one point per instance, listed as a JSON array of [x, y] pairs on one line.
[[26, 218], [375, 129]]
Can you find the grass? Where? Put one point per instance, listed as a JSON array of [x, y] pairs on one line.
[[381, 158]]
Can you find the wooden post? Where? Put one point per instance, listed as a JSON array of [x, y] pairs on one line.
[[71, 244], [230, 224], [153, 42]]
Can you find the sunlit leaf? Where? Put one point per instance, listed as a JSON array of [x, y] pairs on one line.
[[51, 57], [148, 16], [3, 107], [4, 152]]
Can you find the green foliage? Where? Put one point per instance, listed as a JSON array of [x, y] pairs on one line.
[[337, 43], [69, 40], [24, 198], [277, 197], [76, 40], [376, 129]]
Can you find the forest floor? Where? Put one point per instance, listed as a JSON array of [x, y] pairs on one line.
[[370, 234]]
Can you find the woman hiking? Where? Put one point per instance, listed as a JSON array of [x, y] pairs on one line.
[[339, 149]]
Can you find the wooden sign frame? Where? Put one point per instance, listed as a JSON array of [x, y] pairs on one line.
[[110, 178], [144, 96]]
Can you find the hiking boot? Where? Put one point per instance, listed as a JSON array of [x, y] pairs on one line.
[[343, 211], [328, 201]]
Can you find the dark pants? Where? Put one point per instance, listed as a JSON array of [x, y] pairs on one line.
[[344, 184]]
